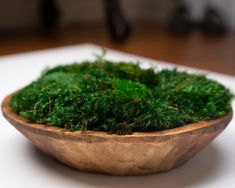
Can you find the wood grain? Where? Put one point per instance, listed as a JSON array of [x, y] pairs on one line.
[[136, 154]]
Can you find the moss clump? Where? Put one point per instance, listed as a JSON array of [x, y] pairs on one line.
[[120, 98]]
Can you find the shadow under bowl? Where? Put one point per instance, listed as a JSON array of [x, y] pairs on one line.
[[137, 154]]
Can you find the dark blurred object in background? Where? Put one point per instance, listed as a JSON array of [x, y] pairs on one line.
[[49, 14], [180, 23], [213, 24], [118, 26]]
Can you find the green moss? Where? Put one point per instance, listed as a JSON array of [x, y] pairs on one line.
[[120, 98]]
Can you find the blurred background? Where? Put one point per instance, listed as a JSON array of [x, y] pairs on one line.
[[197, 33]]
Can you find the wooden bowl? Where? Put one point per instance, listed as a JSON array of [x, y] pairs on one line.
[[136, 154]]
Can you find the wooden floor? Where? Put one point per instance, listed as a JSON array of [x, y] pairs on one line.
[[196, 49]]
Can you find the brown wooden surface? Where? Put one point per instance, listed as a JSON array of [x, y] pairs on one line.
[[135, 154], [196, 49]]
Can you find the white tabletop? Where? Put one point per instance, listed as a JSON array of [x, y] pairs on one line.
[[21, 165]]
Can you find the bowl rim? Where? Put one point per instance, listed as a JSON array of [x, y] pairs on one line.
[[20, 122]]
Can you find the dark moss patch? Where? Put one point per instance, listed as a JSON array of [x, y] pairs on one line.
[[120, 98]]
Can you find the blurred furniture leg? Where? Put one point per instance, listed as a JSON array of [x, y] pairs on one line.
[[118, 26], [180, 22], [49, 14], [213, 23]]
